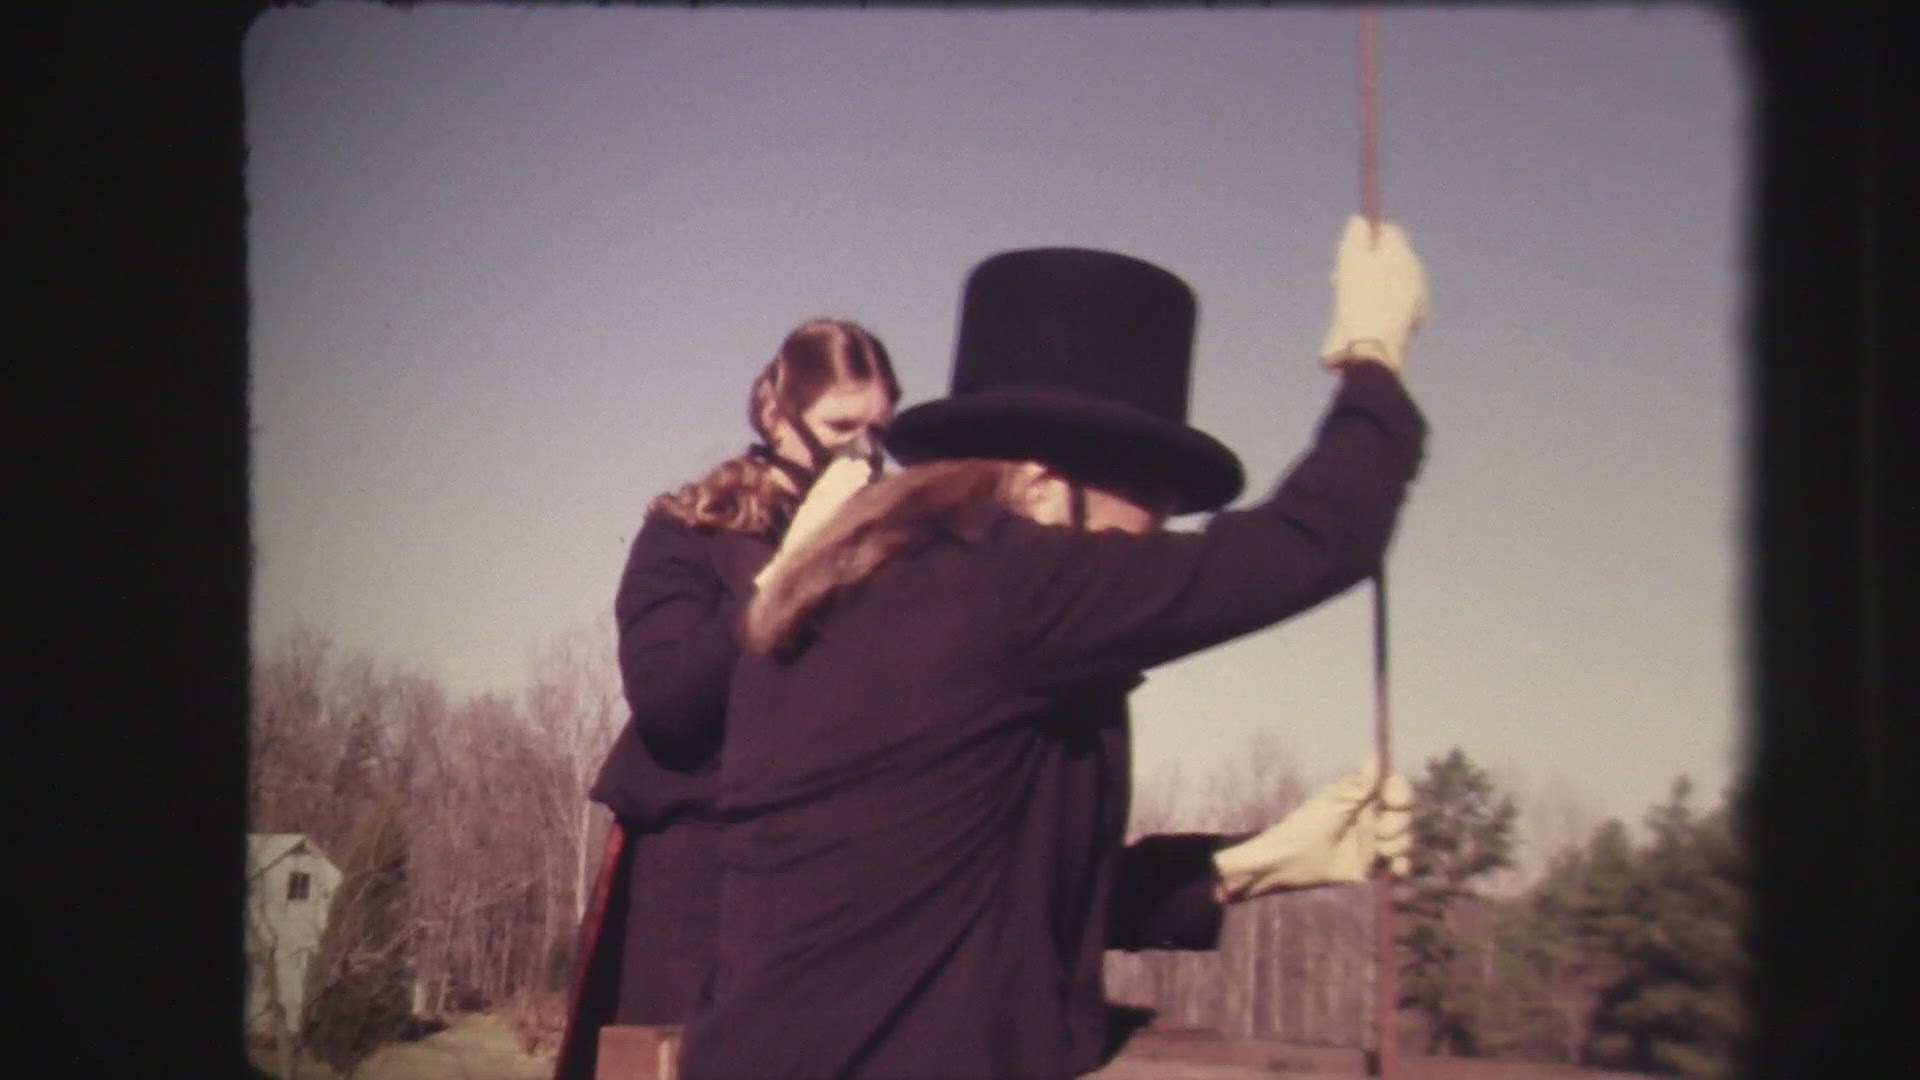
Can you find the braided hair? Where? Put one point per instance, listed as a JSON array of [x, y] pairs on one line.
[[742, 493]]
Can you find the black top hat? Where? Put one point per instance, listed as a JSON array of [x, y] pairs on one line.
[[1079, 359]]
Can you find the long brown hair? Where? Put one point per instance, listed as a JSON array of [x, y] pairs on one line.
[[741, 493], [894, 516]]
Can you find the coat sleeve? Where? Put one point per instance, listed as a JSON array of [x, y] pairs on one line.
[[1163, 894], [676, 615], [1079, 607]]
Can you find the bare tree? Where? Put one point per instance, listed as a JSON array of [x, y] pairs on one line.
[[320, 725], [573, 703], [498, 828], [288, 731], [469, 865]]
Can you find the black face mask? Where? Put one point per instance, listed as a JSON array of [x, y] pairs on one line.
[[819, 457]]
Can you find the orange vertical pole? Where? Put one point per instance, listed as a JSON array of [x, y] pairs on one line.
[[1386, 982], [1369, 123]]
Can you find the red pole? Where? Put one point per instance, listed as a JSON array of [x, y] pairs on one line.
[[1387, 996], [1369, 124]]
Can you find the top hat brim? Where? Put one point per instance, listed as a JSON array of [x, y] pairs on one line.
[[1089, 440]]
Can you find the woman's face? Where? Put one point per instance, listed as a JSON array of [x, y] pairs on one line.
[[846, 416]]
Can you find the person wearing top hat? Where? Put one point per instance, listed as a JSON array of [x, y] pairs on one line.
[[819, 408], [925, 792]]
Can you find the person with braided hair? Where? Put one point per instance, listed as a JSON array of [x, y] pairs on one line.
[[819, 408]]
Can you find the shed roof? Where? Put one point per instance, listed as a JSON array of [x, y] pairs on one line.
[[266, 849]]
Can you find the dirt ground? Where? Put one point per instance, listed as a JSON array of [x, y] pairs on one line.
[[1175, 1055], [487, 1048], [472, 1048]]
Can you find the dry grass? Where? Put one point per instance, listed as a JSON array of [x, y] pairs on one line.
[[538, 1020], [480, 1047]]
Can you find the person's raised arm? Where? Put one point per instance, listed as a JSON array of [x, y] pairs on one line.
[[1086, 606]]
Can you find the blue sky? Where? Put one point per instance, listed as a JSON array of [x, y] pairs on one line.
[[512, 267]]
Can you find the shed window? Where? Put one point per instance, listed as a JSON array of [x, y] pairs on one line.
[[298, 885]]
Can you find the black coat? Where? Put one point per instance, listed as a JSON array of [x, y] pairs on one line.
[[647, 940], [678, 608], [924, 808]]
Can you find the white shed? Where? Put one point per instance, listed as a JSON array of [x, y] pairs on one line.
[[290, 884]]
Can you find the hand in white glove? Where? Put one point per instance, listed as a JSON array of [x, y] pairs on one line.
[[836, 484], [1332, 838], [1379, 296]]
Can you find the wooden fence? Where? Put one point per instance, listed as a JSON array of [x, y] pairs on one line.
[[1295, 968]]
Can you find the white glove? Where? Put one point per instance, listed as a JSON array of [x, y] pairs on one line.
[[1379, 296], [1332, 838], [836, 484]]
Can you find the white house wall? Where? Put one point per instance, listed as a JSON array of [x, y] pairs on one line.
[[283, 931]]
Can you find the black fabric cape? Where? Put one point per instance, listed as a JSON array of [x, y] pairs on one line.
[[924, 806]]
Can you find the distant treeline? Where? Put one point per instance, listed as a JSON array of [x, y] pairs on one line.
[[463, 825], [468, 844], [1620, 954]]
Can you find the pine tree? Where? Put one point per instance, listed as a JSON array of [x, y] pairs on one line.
[[1518, 1016], [1561, 947], [1463, 829], [358, 778], [359, 985], [1677, 1007]]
